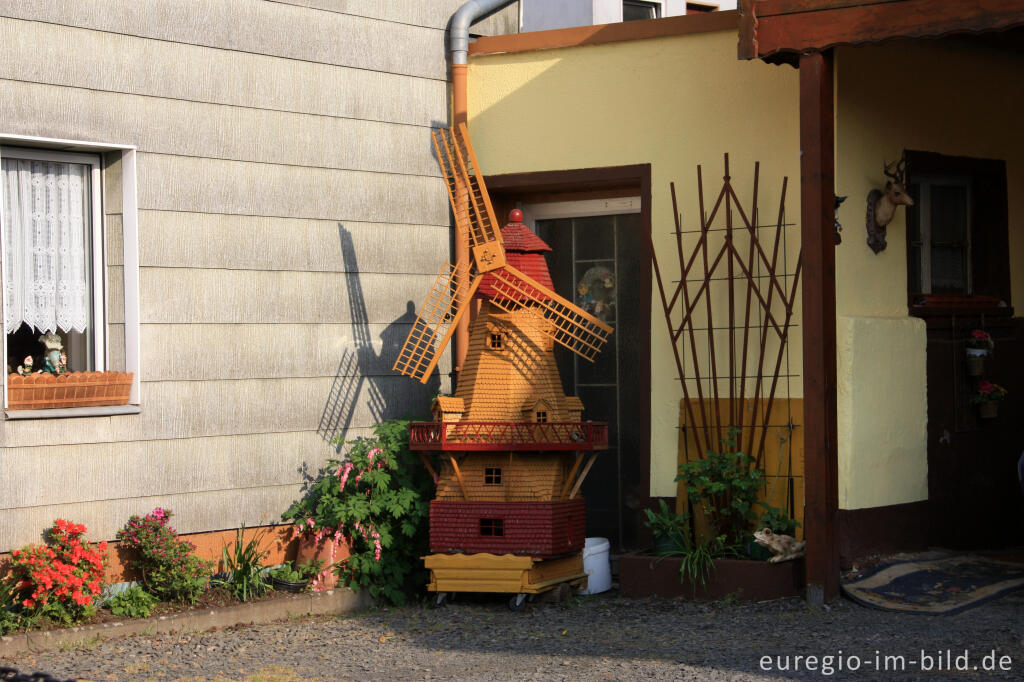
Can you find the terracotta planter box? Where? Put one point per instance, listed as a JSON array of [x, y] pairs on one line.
[[75, 389], [643, 575]]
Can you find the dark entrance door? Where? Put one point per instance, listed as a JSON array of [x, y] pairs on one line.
[[602, 263]]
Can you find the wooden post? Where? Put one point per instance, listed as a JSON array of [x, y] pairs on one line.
[[817, 186]]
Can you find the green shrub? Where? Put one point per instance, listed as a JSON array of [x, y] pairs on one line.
[[134, 602], [377, 501], [169, 569], [59, 581]]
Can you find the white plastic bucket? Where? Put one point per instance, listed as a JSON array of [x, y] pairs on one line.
[[597, 566]]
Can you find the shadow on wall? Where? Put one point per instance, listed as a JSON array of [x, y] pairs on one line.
[[365, 376]]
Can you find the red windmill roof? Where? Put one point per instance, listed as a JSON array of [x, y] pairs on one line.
[[523, 251]]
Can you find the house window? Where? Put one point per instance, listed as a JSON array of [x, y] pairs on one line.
[[67, 304], [493, 528], [700, 7], [636, 10], [496, 341], [957, 233], [940, 234], [53, 258], [492, 476], [542, 416]]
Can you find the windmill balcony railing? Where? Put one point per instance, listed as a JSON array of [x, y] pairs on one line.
[[508, 435]]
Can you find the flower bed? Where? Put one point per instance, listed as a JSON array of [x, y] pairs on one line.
[[643, 575]]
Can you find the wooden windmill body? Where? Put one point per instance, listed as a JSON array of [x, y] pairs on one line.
[[507, 516]]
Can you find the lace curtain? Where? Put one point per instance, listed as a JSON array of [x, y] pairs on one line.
[[46, 268]]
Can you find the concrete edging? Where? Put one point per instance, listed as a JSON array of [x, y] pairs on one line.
[[336, 602]]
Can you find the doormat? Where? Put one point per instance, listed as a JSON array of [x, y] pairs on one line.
[[937, 586]]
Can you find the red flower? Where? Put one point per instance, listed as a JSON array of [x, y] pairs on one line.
[[985, 387], [980, 335]]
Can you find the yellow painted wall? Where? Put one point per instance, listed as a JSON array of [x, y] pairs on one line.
[[944, 98], [670, 102]]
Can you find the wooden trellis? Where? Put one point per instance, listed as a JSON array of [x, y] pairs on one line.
[[761, 310]]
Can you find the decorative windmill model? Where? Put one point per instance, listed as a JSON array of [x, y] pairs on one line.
[[507, 516]]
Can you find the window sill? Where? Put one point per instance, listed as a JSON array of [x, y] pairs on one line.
[[69, 412]]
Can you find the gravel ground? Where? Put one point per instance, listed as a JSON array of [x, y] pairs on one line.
[[602, 637]]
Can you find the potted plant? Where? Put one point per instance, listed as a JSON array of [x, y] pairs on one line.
[[979, 345], [670, 530], [374, 505], [987, 398], [295, 577], [704, 554]]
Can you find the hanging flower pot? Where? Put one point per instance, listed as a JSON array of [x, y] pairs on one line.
[[987, 398], [979, 343], [989, 410], [975, 364]]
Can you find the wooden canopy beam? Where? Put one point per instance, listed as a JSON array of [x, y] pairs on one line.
[[817, 214], [775, 27]]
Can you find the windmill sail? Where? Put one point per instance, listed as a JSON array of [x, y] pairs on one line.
[[569, 325], [448, 299], [436, 321]]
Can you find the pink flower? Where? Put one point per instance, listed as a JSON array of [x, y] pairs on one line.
[[344, 475], [980, 335], [985, 387]]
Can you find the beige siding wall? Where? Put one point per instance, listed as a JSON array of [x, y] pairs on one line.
[[291, 219]]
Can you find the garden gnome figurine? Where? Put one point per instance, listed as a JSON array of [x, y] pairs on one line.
[[52, 355]]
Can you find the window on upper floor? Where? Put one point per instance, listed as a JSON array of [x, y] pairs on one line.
[[70, 275], [957, 241], [492, 476], [637, 10]]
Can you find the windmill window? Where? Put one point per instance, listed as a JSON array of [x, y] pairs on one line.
[[497, 341], [492, 528], [542, 416], [492, 476]]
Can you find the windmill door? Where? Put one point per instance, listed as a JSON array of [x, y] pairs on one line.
[[599, 260]]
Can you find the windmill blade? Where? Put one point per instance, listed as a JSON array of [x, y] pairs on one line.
[[570, 325], [467, 193], [435, 323]]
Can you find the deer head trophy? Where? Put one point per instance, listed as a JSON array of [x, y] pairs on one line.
[[882, 205]]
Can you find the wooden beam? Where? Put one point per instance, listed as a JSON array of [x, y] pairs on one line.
[[817, 190], [458, 477], [796, 26]]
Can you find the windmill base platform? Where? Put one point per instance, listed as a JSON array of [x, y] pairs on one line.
[[505, 573]]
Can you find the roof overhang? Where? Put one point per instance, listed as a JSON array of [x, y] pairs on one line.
[[781, 30]]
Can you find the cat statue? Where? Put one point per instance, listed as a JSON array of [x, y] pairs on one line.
[[784, 547]]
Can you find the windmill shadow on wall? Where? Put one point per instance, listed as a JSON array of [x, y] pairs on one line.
[[364, 376]]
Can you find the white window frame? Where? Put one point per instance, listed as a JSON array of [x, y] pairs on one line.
[[57, 149], [578, 209]]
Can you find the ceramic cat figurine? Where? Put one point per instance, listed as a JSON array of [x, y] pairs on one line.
[[784, 547]]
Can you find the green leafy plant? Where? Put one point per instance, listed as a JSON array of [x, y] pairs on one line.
[[297, 573], [671, 530], [724, 487], [776, 519], [244, 565], [377, 502], [699, 559], [59, 581], [134, 602], [169, 568]]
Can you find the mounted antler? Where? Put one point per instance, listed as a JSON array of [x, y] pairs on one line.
[[882, 205]]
